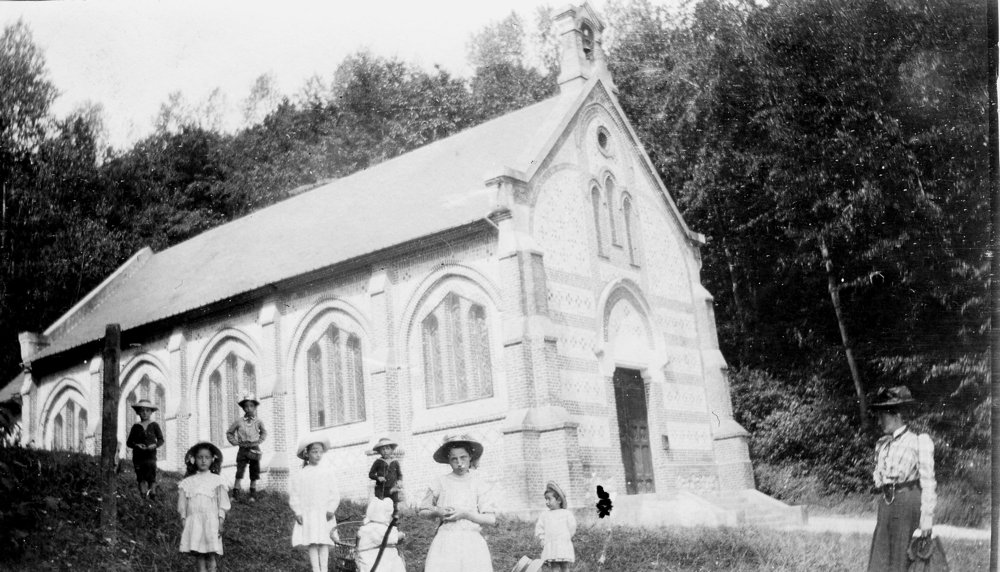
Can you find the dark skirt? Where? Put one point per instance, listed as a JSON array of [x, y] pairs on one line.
[[893, 530]]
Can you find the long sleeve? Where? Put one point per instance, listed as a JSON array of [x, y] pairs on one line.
[[222, 496], [928, 484], [158, 433], [571, 523], [373, 473], [263, 431], [295, 494], [431, 497], [231, 434], [540, 528], [134, 437], [333, 494], [399, 470]]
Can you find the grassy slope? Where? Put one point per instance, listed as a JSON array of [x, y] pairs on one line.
[[257, 537]]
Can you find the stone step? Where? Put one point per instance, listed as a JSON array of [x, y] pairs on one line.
[[714, 508]]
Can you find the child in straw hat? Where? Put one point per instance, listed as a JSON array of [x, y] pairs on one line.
[[314, 499], [387, 473], [144, 439], [555, 528]]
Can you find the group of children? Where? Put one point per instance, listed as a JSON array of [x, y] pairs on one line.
[[459, 501]]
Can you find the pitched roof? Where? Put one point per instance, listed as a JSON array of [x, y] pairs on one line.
[[431, 189]]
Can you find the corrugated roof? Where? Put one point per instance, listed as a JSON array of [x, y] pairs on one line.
[[428, 190]]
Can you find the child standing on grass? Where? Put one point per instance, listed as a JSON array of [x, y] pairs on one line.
[[387, 473], [144, 439], [314, 499], [247, 433], [203, 501], [555, 528]]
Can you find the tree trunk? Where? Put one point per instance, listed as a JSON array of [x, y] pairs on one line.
[[109, 432], [835, 298]]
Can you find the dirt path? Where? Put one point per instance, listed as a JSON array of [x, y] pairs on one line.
[[852, 525]]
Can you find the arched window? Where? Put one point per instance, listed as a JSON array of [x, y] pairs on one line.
[[588, 40], [70, 417], [82, 429], [457, 357], [630, 239], [609, 188], [595, 199], [57, 433], [335, 379], [231, 378]]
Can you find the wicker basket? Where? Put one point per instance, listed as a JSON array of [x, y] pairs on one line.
[[345, 542]]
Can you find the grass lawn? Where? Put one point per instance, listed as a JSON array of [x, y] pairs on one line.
[[65, 534]]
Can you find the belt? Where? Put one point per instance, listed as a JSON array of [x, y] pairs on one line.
[[889, 490]]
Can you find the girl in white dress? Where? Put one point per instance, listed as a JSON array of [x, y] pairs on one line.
[[462, 502], [555, 528], [314, 499], [203, 501], [378, 516]]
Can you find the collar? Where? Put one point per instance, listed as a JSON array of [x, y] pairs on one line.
[[249, 418], [898, 432]]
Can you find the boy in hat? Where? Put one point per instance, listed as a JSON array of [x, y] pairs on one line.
[[387, 473], [904, 477], [144, 439], [247, 433]]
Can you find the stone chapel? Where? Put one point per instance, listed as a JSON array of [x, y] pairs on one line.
[[528, 281]]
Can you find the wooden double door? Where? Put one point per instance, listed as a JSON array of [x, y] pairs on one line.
[[633, 430]]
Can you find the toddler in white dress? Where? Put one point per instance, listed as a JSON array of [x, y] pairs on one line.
[[555, 528]]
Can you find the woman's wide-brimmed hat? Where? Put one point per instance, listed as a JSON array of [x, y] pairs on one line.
[[384, 442], [552, 486], [302, 450], [893, 397], [475, 448], [248, 397], [526, 564], [216, 453], [144, 404]]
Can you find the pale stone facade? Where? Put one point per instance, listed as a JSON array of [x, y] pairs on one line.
[[585, 269]]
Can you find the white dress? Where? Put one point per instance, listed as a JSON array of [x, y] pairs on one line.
[[369, 540], [556, 528], [458, 546], [201, 499], [312, 494]]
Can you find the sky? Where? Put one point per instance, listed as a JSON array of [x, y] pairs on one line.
[[128, 56]]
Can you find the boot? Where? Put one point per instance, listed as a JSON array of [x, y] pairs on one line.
[[236, 495], [253, 495]]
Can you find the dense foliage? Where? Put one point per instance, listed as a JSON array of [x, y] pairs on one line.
[[835, 152]]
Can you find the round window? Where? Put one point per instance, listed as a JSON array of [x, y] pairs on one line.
[[602, 139]]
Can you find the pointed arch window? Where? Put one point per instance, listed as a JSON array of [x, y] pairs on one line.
[[609, 188], [233, 377], [82, 429], [587, 34], [595, 199], [457, 357], [630, 230], [335, 379], [58, 434]]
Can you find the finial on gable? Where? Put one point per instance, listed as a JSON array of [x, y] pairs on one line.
[[581, 53]]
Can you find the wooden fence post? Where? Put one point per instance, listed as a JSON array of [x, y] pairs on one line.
[[109, 432]]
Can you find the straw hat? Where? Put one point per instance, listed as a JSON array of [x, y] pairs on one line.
[[552, 486], [893, 397], [304, 443], [144, 404], [216, 453], [384, 442], [475, 448], [526, 564], [248, 397]]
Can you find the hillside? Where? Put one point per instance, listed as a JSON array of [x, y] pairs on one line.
[[49, 507]]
